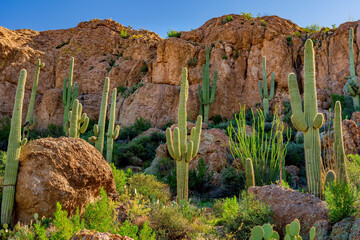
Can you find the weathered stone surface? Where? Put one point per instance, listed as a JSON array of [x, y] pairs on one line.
[[341, 230], [322, 230], [65, 170], [94, 235], [356, 117], [288, 205], [355, 230], [100, 51]]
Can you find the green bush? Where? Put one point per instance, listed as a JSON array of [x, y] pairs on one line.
[[119, 178], [232, 181], [4, 132], [149, 187], [199, 178], [295, 154], [341, 198], [229, 18], [192, 62], [353, 167], [66, 227], [140, 125], [173, 33], [247, 15], [244, 215]]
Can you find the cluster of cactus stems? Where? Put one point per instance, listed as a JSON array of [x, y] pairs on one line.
[[30, 122], [292, 232], [308, 121], [340, 157], [69, 95], [207, 94], [352, 87], [78, 122], [112, 133], [99, 129], [13, 153], [263, 88], [178, 147], [249, 174]]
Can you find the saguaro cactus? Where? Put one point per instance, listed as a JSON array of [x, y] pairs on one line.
[[13, 153], [179, 149], [249, 173], [330, 177], [340, 157], [31, 123], [78, 122], [205, 97], [112, 134], [99, 129], [352, 86], [264, 91], [308, 121], [68, 94]]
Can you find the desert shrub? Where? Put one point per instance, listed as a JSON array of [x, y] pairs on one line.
[[289, 40], [4, 132], [119, 178], [34, 231], [192, 62], [245, 214], [313, 28], [66, 227], [247, 15], [295, 154], [149, 187], [2, 171], [263, 23], [353, 167], [146, 233], [347, 107], [140, 125], [173, 33], [341, 198], [123, 33], [199, 178], [261, 146], [232, 181], [216, 119]]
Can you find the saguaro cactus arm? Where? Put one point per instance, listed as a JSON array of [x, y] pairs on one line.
[[298, 116]]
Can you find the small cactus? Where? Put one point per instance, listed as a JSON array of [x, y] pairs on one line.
[[249, 173], [340, 157], [13, 153], [330, 177], [69, 95], [263, 88], [30, 122], [78, 122], [112, 134]]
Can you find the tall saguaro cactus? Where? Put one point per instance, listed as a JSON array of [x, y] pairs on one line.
[[99, 129], [31, 123], [68, 94], [13, 153], [178, 147], [352, 86], [340, 157], [263, 88], [308, 121], [78, 122], [206, 98], [112, 134]]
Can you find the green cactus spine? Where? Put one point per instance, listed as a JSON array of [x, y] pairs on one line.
[[352, 87], [206, 98], [99, 129], [263, 88], [112, 134], [68, 94], [330, 177], [31, 123], [78, 122], [340, 157], [13, 153], [179, 149], [249, 173], [308, 121]]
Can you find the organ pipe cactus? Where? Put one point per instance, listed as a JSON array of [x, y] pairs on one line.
[[249, 173], [78, 122], [178, 147], [30, 122], [308, 121], [13, 153], [264, 90], [340, 157], [112, 134], [69, 95], [99, 129], [352, 87], [206, 98]]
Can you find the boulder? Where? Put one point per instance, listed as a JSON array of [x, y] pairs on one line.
[[341, 230], [322, 230], [355, 230], [94, 235], [66, 170], [356, 117], [288, 205]]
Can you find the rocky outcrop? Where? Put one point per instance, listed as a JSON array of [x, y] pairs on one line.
[[94, 235], [65, 170], [142, 56], [288, 205]]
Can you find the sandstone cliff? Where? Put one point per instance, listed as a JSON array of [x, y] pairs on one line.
[[100, 50]]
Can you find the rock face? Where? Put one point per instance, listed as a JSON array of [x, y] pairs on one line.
[[65, 170], [288, 204], [93, 235], [142, 56], [213, 148]]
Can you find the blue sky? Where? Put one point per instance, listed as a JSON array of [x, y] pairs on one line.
[[160, 16]]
